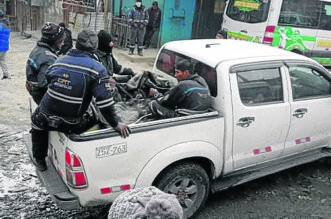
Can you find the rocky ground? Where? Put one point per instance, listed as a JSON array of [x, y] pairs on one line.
[[302, 192]]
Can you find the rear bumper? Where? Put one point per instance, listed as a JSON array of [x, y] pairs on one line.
[[54, 183]]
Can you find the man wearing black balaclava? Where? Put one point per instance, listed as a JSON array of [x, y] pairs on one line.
[[138, 19], [105, 55]]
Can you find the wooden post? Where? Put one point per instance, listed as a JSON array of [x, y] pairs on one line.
[[106, 15]]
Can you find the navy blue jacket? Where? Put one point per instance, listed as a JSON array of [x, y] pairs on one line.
[[72, 82], [41, 57]]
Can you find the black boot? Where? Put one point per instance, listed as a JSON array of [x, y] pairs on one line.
[[131, 51], [140, 52], [39, 148]]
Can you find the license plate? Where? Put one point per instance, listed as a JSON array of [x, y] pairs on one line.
[[111, 150]]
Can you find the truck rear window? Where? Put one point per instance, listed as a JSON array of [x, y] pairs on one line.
[[166, 62], [248, 11]]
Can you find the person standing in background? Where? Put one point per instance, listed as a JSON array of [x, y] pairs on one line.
[[4, 45], [67, 43], [154, 22], [138, 19]]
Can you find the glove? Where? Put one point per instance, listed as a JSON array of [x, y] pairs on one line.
[[135, 25], [141, 26]]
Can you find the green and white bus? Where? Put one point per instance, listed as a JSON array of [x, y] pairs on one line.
[[301, 26]]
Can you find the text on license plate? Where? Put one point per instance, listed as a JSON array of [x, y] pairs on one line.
[[111, 150]]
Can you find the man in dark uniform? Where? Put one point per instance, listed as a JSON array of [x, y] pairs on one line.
[[138, 19], [191, 93], [73, 80], [153, 25], [42, 56], [67, 43]]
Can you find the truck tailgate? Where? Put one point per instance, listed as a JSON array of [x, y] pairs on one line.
[[53, 182]]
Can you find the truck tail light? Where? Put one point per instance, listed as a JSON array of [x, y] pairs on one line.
[[75, 173], [269, 35]]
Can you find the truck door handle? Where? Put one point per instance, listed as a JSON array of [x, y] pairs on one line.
[[243, 31], [246, 121], [300, 112]]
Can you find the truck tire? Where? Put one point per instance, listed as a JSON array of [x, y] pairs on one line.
[[189, 182]]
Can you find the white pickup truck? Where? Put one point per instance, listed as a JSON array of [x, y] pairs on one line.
[[271, 111]]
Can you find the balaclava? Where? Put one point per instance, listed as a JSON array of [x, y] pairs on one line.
[[104, 39], [138, 3]]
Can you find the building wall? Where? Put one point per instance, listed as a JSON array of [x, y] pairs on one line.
[[177, 18]]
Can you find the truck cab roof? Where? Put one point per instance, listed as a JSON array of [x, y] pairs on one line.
[[214, 51]]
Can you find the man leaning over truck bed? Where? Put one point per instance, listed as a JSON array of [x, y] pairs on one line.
[[190, 94], [72, 82]]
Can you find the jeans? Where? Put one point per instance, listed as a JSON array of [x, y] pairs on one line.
[[3, 64]]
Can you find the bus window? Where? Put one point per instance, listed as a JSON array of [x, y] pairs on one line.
[[325, 22], [253, 11], [301, 13]]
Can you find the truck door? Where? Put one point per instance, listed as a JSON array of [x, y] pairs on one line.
[[260, 113], [310, 108]]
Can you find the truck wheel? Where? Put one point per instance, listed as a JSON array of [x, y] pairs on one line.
[[189, 182]]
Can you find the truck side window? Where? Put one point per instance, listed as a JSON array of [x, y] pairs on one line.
[[260, 86], [307, 82], [249, 11]]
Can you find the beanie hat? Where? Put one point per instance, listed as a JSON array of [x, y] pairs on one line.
[[87, 41], [104, 39], [51, 33], [138, 0], [145, 202]]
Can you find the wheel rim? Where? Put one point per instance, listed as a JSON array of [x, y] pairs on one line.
[[186, 191]]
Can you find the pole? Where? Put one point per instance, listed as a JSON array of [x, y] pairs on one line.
[[106, 15]]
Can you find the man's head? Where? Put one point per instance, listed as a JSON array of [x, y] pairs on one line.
[[155, 4], [52, 34], [62, 24], [138, 3], [87, 41], [183, 69], [105, 41]]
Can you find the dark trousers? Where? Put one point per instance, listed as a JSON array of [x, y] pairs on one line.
[[137, 34], [148, 35], [160, 111], [39, 143], [42, 123]]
